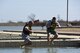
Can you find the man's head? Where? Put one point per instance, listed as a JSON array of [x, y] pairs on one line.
[[54, 19], [30, 23]]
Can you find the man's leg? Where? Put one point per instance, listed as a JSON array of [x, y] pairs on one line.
[[28, 40], [24, 38], [55, 36], [48, 37]]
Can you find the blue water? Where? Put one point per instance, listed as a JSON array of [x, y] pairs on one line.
[[41, 50], [19, 28]]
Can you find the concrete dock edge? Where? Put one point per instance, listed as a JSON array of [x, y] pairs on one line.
[[41, 44]]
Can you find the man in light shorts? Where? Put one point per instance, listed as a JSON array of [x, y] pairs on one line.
[[26, 33], [27, 30]]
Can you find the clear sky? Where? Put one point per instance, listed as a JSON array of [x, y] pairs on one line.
[[19, 10]]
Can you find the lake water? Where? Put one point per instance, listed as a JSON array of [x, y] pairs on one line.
[[19, 28], [41, 50]]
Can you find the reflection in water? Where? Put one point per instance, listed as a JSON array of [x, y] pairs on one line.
[[27, 50], [52, 50], [40, 50]]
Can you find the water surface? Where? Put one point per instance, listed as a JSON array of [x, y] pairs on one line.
[[41, 50]]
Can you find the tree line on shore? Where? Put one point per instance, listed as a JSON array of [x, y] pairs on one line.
[[41, 23]]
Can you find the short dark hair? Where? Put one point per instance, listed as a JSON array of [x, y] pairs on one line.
[[30, 22], [54, 18]]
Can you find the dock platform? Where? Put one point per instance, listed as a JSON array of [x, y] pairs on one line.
[[41, 43], [13, 39]]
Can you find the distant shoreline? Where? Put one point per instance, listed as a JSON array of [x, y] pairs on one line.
[[12, 24], [21, 24], [42, 24]]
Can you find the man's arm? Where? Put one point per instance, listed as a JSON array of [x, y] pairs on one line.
[[27, 29], [58, 24], [48, 24]]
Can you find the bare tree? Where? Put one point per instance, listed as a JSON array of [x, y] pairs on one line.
[[31, 17]]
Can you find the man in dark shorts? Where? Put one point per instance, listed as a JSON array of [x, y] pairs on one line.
[[51, 25]]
